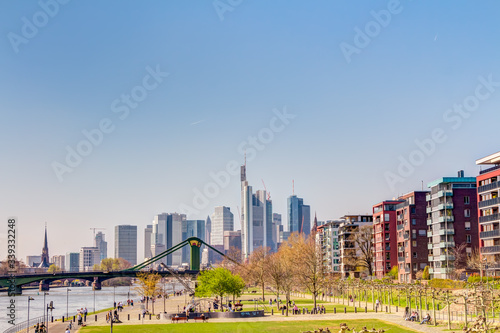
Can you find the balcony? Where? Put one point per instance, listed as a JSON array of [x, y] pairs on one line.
[[401, 259], [489, 187], [448, 219], [428, 197], [428, 210], [443, 257], [446, 244], [407, 270], [430, 258], [448, 231], [443, 206], [429, 221], [431, 270], [448, 193], [406, 236], [489, 234], [491, 249], [401, 249], [400, 227], [491, 202], [429, 233], [489, 218], [429, 246]]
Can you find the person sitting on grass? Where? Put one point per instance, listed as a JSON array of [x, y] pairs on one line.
[[426, 319]]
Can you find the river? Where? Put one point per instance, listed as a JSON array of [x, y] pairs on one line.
[[78, 297]]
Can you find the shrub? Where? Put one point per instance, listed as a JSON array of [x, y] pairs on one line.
[[425, 274], [446, 284]]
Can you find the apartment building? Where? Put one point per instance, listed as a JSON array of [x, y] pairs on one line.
[[385, 236], [488, 190], [348, 250]]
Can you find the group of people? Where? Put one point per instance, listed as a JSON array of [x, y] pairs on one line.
[[112, 315], [40, 328], [414, 317]]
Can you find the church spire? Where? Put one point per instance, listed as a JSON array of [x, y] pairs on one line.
[[45, 251], [315, 225]]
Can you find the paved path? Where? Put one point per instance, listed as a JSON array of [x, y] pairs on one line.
[[172, 304]]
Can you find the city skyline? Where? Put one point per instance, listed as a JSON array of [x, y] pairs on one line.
[[274, 80]]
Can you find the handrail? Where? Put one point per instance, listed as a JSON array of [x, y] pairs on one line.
[[24, 325]]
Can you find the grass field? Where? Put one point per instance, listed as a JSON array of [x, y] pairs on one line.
[[274, 326]]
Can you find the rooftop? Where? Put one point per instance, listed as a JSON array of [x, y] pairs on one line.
[[490, 159]]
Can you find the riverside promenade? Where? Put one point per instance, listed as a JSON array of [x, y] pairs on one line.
[[172, 304]]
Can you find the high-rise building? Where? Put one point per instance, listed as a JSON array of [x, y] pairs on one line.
[[488, 190], [148, 231], [232, 239], [222, 220], [277, 227], [327, 240], [33, 261], [102, 245], [452, 217], [348, 250], [191, 228], [126, 243], [167, 232], [72, 262], [89, 256], [411, 236], [299, 215], [59, 261], [208, 231], [256, 218], [385, 233]]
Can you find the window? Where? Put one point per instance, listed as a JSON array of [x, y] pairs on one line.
[[467, 200], [414, 234], [468, 238], [422, 232], [413, 210], [414, 254], [467, 225], [387, 218], [413, 221], [467, 212], [414, 243]]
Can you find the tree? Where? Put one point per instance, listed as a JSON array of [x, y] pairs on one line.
[[474, 260], [115, 264], [309, 263], [232, 260], [288, 262], [363, 254], [275, 272], [6, 267], [219, 281], [393, 273], [425, 274], [53, 269], [257, 266], [149, 286]]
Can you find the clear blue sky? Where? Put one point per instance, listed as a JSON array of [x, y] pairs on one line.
[[353, 119]]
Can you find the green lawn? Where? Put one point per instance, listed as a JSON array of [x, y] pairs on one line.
[[275, 326]]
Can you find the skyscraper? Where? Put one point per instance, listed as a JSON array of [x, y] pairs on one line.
[[208, 231], [256, 218], [148, 231], [126, 243], [167, 232], [59, 261], [222, 220], [102, 245], [299, 215]]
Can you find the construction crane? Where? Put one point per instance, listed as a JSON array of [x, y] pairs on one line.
[[268, 193]]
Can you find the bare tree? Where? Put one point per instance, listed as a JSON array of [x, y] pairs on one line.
[[232, 261], [474, 260], [362, 254], [257, 266], [275, 272], [310, 268]]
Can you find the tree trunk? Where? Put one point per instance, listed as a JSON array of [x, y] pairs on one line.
[[263, 287]]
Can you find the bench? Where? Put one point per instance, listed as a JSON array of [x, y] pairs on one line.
[[176, 319], [204, 319]]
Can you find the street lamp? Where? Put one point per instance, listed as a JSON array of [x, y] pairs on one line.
[[29, 299], [94, 299], [114, 299], [44, 305], [67, 301]]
